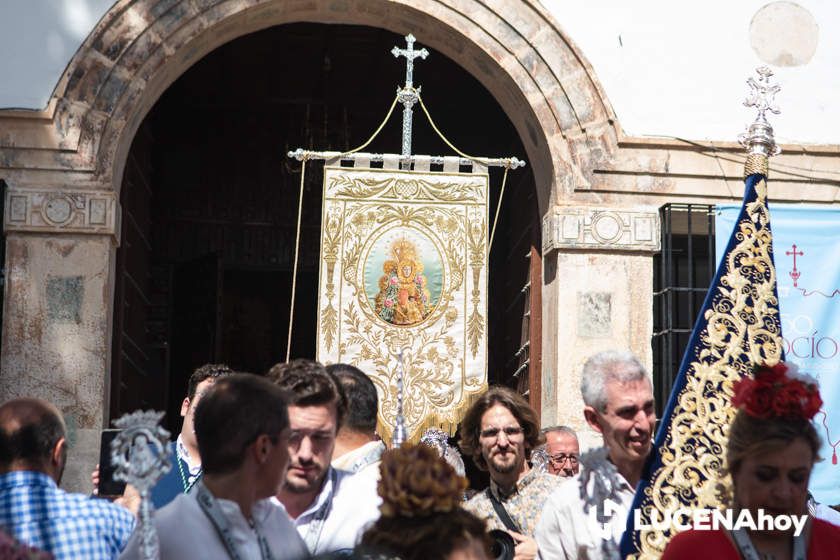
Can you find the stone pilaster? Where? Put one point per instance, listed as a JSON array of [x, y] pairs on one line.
[[56, 311], [597, 296]]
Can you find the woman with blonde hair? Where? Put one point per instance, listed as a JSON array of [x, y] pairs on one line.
[[772, 448]]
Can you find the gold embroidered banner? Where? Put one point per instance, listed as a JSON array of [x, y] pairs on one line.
[[404, 269]]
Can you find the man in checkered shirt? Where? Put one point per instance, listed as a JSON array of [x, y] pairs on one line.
[[33, 509]]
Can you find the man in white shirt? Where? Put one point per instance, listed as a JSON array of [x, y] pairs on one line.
[[330, 508], [242, 428], [357, 447], [585, 517]]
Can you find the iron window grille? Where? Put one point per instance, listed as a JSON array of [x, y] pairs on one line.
[[682, 273]]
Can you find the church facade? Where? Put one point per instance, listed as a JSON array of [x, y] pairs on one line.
[[72, 228]]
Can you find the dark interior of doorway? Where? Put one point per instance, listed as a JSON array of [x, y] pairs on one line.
[[209, 205]]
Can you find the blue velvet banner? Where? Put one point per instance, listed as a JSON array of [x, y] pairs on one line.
[[738, 326]]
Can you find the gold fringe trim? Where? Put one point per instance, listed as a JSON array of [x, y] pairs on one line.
[[756, 163], [434, 420]]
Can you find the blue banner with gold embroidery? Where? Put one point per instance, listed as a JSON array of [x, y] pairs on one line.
[[738, 326]]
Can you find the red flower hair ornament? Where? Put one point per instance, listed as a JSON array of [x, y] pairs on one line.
[[779, 391]]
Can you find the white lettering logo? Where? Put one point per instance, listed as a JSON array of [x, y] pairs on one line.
[[602, 525], [682, 519]]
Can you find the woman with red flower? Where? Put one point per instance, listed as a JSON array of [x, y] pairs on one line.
[[771, 450]]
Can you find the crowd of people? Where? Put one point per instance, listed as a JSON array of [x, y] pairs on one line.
[[288, 466]]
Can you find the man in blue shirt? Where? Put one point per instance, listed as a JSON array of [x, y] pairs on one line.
[[33, 452], [184, 456]]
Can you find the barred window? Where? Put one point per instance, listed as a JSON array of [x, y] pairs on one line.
[[682, 273]]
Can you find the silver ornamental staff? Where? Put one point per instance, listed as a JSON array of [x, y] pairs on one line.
[[139, 456], [399, 436], [408, 95]]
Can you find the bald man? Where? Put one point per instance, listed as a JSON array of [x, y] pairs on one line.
[[33, 509]]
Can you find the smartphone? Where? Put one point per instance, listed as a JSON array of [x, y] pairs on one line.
[[108, 487]]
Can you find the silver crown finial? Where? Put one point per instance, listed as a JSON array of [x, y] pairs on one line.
[[758, 139]]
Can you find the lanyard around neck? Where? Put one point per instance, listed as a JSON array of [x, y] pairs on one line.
[[316, 526], [210, 506], [369, 458], [185, 482], [749, 552]]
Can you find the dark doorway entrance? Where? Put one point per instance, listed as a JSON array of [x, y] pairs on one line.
[[209, 204]]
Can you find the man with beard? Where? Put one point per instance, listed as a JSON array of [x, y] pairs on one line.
[[499, 431], [330, 508], [618, 398], [33, 509]]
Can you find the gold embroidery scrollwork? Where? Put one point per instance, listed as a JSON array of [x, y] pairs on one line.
[[476, 232], [428, 358], [330, 249], [394, 188], [742, 329], [368, 215]]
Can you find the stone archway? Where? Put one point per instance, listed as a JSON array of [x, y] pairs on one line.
[[66, 164], [140, 47]]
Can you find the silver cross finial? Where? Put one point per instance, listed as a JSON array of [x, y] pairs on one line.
[[410, 54], [758, 139], [408, 95], [761, 96]]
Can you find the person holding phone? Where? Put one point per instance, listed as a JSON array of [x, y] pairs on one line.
[[33, 509], [184, 455]]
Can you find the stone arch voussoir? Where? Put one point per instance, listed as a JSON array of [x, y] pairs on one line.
[[515, 49]]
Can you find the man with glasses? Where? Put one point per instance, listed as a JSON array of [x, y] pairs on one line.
[[499, 431], [330, 508], [563, 450]]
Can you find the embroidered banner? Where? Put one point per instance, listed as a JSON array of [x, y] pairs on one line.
[[404, 269], [808, 263], [738, 326]]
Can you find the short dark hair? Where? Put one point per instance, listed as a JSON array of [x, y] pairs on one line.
[[207, 371], [518, 406], [362, 400], [234, 412], [29, 431], [310, 384]]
